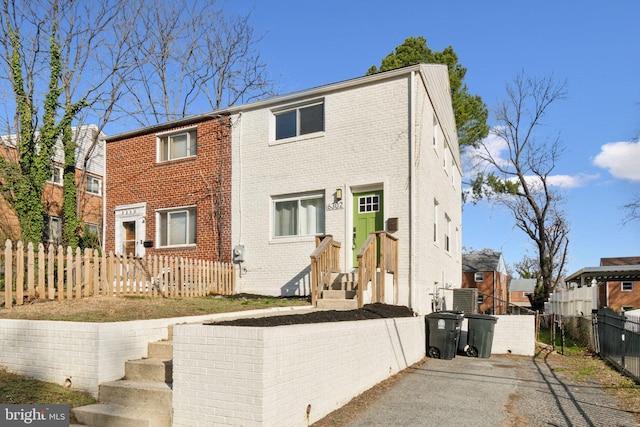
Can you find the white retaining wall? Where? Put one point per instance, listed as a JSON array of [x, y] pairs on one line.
[[288, 375], [515, 335], [85, 353]]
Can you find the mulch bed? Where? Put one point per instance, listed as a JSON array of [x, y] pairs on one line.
[[367, 312]]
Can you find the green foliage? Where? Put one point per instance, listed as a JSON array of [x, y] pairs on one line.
[[469, 110]]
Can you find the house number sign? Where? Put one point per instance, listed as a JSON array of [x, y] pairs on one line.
[[335, 206]]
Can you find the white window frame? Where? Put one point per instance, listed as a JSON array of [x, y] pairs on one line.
[[57, 236], [626, 282], [436, 214], [447, 233], [99, 182], [478, 276], [57, 176], [298, 132], [480, 298], [435, 133], [191, 231], [93, 228], [320, 225], [191, 149]]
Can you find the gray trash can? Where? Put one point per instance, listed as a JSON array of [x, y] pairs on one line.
[[443, 333], [480, 329]]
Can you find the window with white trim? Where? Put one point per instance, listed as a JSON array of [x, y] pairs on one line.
[[298, 121], [436, 211], [56, 175], [478, 276], [94, 185], [92, 228], [177, 145], [626, 286], [298, 215], [176, 227], [447, 233], [480, 298], [435, 132], [52, 229]]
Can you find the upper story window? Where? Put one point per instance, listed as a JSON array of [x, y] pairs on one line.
[[298, 216], [447, 233], [56, 175], [94, 185], [177, 145], [479, 276], [300, 121], [627, 286]]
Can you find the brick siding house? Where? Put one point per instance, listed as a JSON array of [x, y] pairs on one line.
[[519, 291], [617, 279], [90, 164], [486, 271], [373, 153], [169, 189]]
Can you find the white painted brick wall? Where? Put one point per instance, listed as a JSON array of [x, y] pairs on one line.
[[367, 144], [268, 376], [87, 353], [515, 335]]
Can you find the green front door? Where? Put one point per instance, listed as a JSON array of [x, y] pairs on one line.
[[368, 216]]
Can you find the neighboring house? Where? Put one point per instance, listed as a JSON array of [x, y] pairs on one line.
[[486, 271], [169, 190], [374, 153], [618, 281], [90, 164], [519, 291]]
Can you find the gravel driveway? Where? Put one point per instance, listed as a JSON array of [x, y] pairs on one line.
[[500, 391]]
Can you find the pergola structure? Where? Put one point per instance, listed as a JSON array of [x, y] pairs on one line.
[[612, 273]]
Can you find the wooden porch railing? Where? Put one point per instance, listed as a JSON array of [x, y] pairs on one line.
[[325, 260], [62, 274], [369, 264]]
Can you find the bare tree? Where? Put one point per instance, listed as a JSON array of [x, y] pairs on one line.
[[192, 53], [70, 62], [521, 181], [632, 210]]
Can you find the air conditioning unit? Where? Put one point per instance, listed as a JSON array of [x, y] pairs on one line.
[[465, 300]]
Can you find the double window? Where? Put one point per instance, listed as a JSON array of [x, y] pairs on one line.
[[302, 120], [176, 227], [177, 145], [298, 216], [94, 185]]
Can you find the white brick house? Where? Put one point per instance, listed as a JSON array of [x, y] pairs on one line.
[[382, 146]]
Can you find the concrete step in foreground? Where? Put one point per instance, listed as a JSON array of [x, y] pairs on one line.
[[109, 414]]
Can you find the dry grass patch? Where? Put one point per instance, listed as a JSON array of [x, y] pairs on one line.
[[118, 309]]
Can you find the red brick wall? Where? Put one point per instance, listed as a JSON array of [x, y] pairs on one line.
[[52, 196], [134, 176], [619, 298], [485, 287]]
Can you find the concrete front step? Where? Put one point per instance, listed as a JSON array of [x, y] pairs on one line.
[[149, 370], [111, 415], [334, 294], [162, 350], [150, 395], [338, 304]]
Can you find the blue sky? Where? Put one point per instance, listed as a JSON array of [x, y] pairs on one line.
[[594, 45]]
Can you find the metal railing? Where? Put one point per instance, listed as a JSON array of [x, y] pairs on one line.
[[618, 341]]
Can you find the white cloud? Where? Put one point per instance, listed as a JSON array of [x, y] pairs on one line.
[[621, 159], [570, 181]]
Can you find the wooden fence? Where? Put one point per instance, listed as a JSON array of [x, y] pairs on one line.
[[61, 274]]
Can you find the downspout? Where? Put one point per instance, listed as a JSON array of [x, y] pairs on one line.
[[412, 294]]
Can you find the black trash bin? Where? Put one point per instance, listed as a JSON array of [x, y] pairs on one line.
[[480, 329], [443, 333]]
